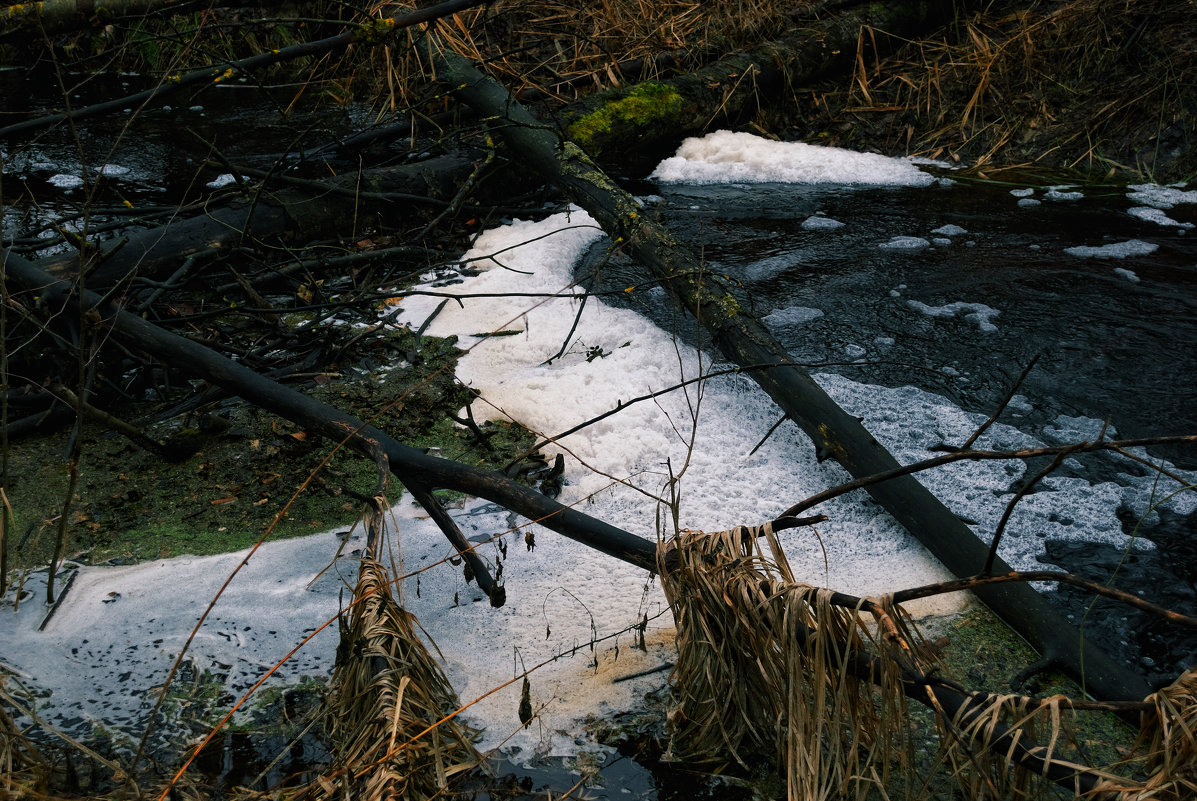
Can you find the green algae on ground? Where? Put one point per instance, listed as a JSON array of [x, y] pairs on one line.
[[985, 655], [132, 505], [646, 106]]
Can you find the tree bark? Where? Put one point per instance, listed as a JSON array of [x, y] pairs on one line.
[[744, 341]]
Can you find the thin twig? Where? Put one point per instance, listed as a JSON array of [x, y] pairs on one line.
[[968, 443], [977, 456]]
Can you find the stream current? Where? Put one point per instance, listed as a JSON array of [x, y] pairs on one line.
[[954, 289]]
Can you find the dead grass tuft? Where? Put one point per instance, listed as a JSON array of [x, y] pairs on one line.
[[24, 773], [565, 50], [762, 673], [1089, 84], [769, 674], [390, 711]]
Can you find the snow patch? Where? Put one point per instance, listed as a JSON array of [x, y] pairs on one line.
[[724, 156]]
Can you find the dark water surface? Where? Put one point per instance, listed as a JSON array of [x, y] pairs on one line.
[[1116, 337]]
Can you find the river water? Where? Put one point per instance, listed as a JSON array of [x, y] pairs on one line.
[[954, 289]]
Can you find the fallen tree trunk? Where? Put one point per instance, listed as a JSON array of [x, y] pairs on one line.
[[272, 216], [744, 341]]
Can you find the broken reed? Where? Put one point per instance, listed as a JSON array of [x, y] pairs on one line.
[[1078, 84], [768, 677], [386, 712]]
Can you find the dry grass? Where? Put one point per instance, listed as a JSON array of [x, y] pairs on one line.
[[764, 678], [1170, 737], [389, 711], [24, 773], [752, 688], [1092, 84], [564, 50]]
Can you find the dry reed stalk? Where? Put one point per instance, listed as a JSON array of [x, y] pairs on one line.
[[564, 50], [1055, 82], [1170, 737], [763, 669], [388, 695], [24, 773], [769, 671]]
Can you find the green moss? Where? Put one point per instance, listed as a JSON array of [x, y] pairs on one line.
[[132, 505], [985, 655], [645, 106]]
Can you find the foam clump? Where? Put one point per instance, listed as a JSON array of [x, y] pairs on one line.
[[905, 243], [818, 223], [1114, 250], [792, 316], [1161, 197], [724, 156], [1154, 215], [977, 313], [1058, 193], [65, 181]]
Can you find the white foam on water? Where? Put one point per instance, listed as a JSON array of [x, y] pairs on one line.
[[1026, 192], [1149, 214], [977, 313], [727, 157], [1028, 202], [1161, 197], [1129, 275], [65, 181], [949, 230], [1114, 250], [1059, 193], [818, 223], [905, 243], [118, 628]]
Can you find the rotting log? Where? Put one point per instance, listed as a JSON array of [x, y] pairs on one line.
[[655, 113], [273, 216], [744, 341]]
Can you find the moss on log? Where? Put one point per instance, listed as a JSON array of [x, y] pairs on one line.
[[735, 87]]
